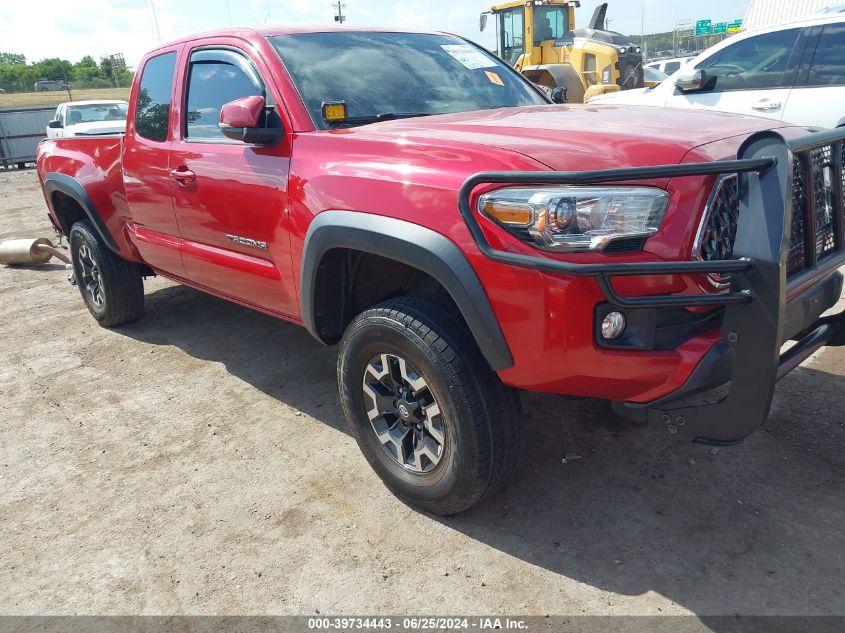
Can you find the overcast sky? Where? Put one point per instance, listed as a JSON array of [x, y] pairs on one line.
[[73, 28]]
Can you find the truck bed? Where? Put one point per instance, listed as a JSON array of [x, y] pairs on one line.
[[94, 163]]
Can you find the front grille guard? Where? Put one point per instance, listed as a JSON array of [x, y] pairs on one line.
[[753, 324]]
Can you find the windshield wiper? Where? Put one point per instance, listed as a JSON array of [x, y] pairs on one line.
[[384, 116], [387, 116]]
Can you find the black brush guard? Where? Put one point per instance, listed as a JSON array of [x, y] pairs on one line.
[[757, 319]]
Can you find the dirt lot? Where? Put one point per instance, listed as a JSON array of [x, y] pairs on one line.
[[197, 462]]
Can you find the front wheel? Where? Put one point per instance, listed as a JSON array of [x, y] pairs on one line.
[[430, 416]]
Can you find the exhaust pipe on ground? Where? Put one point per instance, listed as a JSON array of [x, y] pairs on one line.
[[37, 251]]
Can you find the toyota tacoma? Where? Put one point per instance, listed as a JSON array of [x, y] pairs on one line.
[[411, 198]]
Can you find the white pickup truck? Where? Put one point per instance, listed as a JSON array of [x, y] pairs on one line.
[[88, 118]]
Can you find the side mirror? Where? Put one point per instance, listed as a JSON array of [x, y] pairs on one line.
[[558, 95], [55, 123], [240, 120], [482, 21], [694, 80]]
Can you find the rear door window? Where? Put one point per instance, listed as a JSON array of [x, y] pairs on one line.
[[828, 65], [152, 109], [671, 67]]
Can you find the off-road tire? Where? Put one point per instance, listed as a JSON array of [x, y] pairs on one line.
[[482, 416], [122, 289]]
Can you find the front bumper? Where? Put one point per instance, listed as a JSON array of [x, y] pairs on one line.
[[763, 308]]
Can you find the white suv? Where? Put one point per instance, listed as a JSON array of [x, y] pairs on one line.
[[792, 72]]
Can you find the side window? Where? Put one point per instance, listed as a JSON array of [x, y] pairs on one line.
[[216, 77], [152, 111], [828, 67], [513, 30], [671, 67], [590, 69], [754, 63]]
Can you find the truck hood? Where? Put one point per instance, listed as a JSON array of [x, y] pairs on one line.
[[578, 137], [96, 128]]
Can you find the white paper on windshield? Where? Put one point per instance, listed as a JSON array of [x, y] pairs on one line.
[[470, 57]]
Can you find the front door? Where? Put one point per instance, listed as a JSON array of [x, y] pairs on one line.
[[753, 76], [231, 197]]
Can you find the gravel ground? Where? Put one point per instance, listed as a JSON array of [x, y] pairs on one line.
[[197, 462]]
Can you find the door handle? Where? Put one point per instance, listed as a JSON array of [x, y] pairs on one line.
[[183, 175], [765, 104]]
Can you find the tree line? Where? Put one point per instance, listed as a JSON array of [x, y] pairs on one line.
[[16, 75]]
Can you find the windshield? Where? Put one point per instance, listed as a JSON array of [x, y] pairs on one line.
[[380, 75], [96, 112]]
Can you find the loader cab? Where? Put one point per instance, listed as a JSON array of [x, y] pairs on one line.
[[535, 22]]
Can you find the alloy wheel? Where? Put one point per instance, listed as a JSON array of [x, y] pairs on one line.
[[91, 280], [403, 413]]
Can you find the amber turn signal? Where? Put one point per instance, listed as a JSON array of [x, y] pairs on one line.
[[513, 214]]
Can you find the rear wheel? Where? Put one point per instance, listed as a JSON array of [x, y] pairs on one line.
[[111, 287], [430, 416]]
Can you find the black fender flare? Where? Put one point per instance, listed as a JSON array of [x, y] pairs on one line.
[[71, 187], [416, 246]]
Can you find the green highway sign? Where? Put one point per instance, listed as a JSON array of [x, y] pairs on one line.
[[706, 27]]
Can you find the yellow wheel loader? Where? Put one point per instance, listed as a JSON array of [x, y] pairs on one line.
[[539, 39]]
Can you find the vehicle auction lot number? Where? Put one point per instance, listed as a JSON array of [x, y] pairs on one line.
[[417, 623]]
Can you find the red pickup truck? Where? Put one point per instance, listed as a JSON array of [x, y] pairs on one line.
[[414, 199]]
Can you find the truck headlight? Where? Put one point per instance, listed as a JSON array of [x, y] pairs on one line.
[[605, 75], [569, 218]]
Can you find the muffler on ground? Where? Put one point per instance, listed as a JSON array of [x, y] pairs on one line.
[[37, 251]]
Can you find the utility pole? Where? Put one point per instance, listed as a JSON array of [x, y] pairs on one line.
[[643, 47], [155, 20], [229, 12], [118, 65], [684, 30], [339, 18]]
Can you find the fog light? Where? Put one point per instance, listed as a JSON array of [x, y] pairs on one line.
[[613, 325]]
